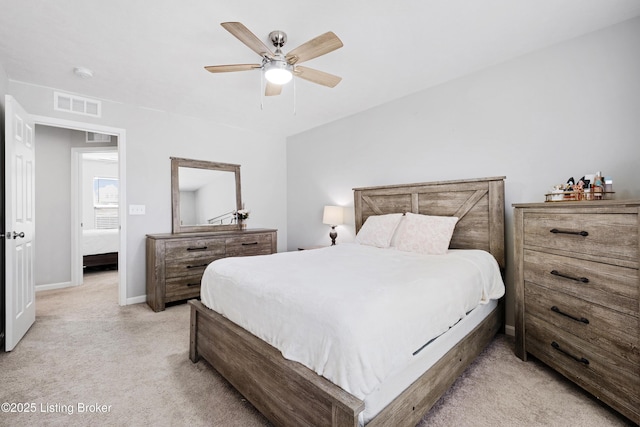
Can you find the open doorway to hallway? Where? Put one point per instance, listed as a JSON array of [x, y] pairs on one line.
[[76, 189]]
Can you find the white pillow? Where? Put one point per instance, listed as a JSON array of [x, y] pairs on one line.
[[425, 234], [378, 230]]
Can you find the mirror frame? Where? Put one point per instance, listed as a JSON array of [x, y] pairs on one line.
[[176, 163]]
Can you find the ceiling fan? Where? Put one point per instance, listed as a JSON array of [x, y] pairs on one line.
[[279, 68]]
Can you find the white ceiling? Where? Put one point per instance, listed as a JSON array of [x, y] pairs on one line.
[[152, 53]]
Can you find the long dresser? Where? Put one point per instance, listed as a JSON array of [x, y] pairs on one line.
[[576, 291], [175, 262]]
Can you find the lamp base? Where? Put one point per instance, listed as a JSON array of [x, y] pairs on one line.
[[333, 234]]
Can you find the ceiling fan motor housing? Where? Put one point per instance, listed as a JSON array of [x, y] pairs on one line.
[[278, 38]]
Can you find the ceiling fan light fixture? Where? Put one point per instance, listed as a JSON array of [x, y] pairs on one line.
[[278, 72]]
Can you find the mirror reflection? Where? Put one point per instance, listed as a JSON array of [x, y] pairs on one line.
[[204, 195]]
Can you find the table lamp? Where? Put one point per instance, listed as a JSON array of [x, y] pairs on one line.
[[333, 216]]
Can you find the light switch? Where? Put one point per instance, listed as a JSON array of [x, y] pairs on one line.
[[136, 209]]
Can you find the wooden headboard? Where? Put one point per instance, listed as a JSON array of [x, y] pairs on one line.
[[478, 203]]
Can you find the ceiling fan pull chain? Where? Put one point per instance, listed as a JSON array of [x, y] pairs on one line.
[[262, 88], [294, 97]]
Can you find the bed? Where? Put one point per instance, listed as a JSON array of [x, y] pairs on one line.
[[289, 393], [100, 248]]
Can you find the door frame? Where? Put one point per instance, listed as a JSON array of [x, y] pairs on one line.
[[76, 209], [122, 198]]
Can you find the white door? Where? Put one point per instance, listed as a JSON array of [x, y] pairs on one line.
[[20, 222]]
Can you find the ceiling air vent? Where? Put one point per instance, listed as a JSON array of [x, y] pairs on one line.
[[76, 104]]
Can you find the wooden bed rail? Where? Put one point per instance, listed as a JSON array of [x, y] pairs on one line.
[[290, 394], [271, 383]]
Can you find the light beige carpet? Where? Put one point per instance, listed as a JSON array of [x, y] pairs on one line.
[[86, 353]]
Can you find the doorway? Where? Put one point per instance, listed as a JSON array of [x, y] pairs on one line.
[[94, 191], [76, 259]]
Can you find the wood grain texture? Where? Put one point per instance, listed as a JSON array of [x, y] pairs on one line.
[[175, 262], [604, 282], [288, 393], [518, 278], [578, 295], [478, 204], [178, 162]]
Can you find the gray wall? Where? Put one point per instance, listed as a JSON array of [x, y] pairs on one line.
[[53, 205], [152, 137], [567, 110]]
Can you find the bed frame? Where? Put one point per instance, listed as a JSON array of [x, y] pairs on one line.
[[101, 260], [290, 394]]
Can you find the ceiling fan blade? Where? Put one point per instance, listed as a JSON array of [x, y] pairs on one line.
[[272, 90], [316, 76], [321, 45], [243, 34], [232, 67]]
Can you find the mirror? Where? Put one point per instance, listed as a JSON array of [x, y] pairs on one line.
[[204, 195]]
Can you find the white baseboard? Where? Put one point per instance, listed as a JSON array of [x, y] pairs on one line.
[[137, 300], [510, 330], [51, 286]]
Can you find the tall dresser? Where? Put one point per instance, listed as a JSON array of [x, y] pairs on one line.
[[577, 288], [175, 262]]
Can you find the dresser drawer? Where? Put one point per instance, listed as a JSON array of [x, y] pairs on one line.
[[251, 244], [176, 262], [188, 267], [182, 288], [613, 235], [602, 373], [596, 324], [191, 257], [195, 248], [615, 286]]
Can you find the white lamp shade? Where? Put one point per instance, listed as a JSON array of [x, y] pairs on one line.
[[333, 215]]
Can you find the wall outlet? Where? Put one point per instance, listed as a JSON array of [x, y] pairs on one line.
[[136, 209]]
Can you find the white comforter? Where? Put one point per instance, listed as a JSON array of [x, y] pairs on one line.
[[100, 241], [352, 313]]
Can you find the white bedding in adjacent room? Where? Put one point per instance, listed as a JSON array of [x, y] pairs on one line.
[[354, 314], [96, 241]]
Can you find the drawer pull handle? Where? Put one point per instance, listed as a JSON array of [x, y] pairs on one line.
[[193, 284], [579, 359], [584, 320], [577, 279], [579, 233], [250, 244], [197, 266], [203, 248]]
